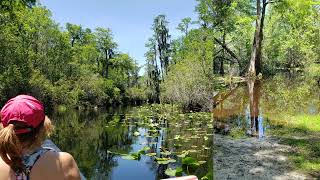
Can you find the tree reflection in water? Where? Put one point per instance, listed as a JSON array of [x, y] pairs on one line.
[[86, 136], [97, 138], [254, 106], [255, 118]]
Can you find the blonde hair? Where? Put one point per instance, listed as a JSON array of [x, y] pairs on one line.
[[12, 144]]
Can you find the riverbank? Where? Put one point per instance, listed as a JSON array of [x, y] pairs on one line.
[[251, 158]]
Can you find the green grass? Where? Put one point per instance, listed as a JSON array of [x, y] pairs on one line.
[[237, 133], [302, 132], [307, 122]]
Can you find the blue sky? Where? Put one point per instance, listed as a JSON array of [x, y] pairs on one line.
[[130, 20]]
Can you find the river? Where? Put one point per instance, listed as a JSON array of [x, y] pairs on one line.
[[105, 144], [124, 143]]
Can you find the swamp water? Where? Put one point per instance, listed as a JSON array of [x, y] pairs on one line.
[[255, 108], [149, 142]]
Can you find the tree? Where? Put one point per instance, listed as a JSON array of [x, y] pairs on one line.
[[123, 69], [161, 33], [75, 32], [59, 67], [152, 71], [291, 35], [107, 47], [223, 17], [255, 60], [184, 25]]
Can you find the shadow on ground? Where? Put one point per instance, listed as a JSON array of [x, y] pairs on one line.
[[306, 148], [250, 158]]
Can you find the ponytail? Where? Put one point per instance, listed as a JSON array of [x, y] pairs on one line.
[[11, 149]]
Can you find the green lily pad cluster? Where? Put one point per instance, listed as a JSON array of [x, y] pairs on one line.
[[165, 160], [174, 172], [178, 141], [135, 155], [189, 165]]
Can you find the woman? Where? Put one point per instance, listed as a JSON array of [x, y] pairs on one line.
[[24, 127]]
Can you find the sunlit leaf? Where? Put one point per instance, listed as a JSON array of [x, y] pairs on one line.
[[136, 133], [165, 160], [166, 153], [174, 172], [151, 154]]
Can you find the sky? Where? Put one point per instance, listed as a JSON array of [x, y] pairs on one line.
[[129, 20]]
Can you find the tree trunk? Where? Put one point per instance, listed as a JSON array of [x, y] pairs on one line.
[[255, 60], [107, 64], [72, 41], [223, 54]]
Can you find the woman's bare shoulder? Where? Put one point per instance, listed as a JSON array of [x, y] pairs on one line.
[[69, 166], [60, 164]]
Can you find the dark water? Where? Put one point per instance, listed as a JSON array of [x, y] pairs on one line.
[[252, 108], [96, 140]]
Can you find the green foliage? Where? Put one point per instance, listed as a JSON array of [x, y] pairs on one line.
[[292, 35], [237, 132], [165, 160], [174, 172], [76, 67], [187, 85], [190, 81], [184, 25], [223, 45], [136, 155]]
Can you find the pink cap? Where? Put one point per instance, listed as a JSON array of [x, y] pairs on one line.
[[23, 108]]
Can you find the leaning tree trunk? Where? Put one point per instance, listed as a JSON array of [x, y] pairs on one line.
[[255, 60]]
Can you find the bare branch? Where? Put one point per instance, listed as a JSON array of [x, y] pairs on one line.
[[232, 54]]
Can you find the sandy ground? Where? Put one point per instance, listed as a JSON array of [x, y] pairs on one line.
[[250, 158]]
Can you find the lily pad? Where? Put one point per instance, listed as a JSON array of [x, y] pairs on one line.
[[193, 151], [136, 133], [166, 153], [184, 154], [177, 137], [133, 156], [151, 154], [143, 150], [206, 148], [191, 162], [174, 172], [177, 145], [170, 172], [165, 160], [201, 162]]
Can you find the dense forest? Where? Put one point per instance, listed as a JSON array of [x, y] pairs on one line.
[[78, 66], [73, 66], [243, 38]]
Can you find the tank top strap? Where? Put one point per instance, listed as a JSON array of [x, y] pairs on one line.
[[30, 160]]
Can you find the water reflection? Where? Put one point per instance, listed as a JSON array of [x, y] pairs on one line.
[[253, 106], [96, 139], [256, 120], [86, 136]]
